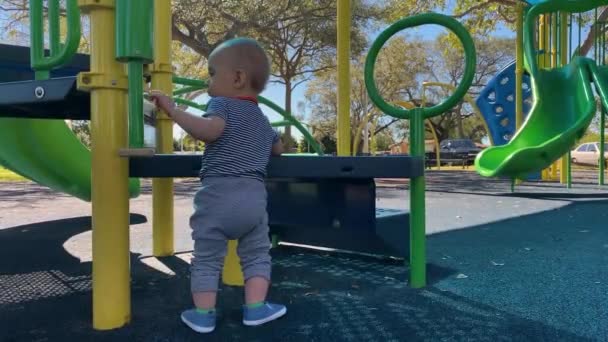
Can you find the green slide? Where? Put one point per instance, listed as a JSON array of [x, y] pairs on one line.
[[563, 110], [564, 104], [47, 152]]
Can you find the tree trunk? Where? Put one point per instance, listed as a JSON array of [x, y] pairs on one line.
[[288, 91], [459, 121]]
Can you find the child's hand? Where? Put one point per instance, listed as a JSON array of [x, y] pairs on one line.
[[162, 101]]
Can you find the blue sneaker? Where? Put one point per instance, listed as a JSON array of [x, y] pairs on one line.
[[199, 322], [262, 314]]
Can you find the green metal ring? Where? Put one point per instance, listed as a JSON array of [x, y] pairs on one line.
[[422, 19]]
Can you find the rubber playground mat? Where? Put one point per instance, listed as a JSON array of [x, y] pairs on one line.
[[539, 277], [536, 277]]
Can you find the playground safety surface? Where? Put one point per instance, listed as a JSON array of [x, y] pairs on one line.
[[530, 266]]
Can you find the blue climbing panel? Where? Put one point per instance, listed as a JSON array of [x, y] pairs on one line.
[[497, 104]]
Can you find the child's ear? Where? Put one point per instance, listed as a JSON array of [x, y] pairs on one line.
[[240, 79]]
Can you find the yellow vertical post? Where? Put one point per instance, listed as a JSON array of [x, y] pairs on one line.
[[543, 46], [519, 69], [344, 15], [554, 59], [232, 274], [563, 170], [107, 83], [162, 188]]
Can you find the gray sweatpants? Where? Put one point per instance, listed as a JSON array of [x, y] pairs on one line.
[[229, 208]]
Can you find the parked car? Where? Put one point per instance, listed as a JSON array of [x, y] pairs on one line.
[[458, 151], [588, 153]]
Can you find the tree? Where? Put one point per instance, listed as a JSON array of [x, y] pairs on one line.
[[492, 55], [299, 36], [396, 75]]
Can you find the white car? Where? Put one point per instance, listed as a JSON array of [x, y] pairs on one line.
[[589, 154]]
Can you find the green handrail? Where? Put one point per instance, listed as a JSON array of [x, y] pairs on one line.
[[39, 62], [297, 124], [550, 7], [202, 84], [54, 27], [194, 84], [281, 123]]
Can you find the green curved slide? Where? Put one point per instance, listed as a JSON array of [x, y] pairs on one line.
[[564, 106], [563, 110], [47, 152]]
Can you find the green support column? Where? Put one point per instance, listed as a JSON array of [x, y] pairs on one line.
[[417, 205]]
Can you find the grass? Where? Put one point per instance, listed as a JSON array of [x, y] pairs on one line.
[[9, 176]]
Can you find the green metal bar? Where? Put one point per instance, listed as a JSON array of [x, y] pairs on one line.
[[201, 84], [281, 123], [38, 61], [190, 82], [423, 19], [570, 52], [54, 28], [136, 105], [37, 38], [550, 7], [189, 103], [297, 124], [187, 90], [417, 205], [602, 177], [602, 160]]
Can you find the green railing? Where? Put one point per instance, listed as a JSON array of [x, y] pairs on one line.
[[59, 53], [191, 85]]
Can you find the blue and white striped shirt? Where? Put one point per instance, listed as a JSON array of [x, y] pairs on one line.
[[244, 148]]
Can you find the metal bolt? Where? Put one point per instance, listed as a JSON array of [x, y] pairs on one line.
[[114, 82], [39, 92], [86, 80]]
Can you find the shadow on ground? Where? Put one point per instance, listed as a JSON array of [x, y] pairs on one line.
[[535, 278]]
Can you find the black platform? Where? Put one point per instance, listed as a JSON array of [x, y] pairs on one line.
[[56, 98], [61, 100], [319, 201], [306, 167]]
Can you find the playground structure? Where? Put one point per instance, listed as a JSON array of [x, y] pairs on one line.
[[332, 177], [104, 92], [553, 67]]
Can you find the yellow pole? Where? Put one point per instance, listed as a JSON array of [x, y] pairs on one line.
[[110, 194], [344, 77], [554, 41], [519, 71], [563, 170], [232, 274], [543, 46], [162, 188], [519, 68]]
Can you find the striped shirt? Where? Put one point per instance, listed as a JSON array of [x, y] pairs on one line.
[[244, 148]]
